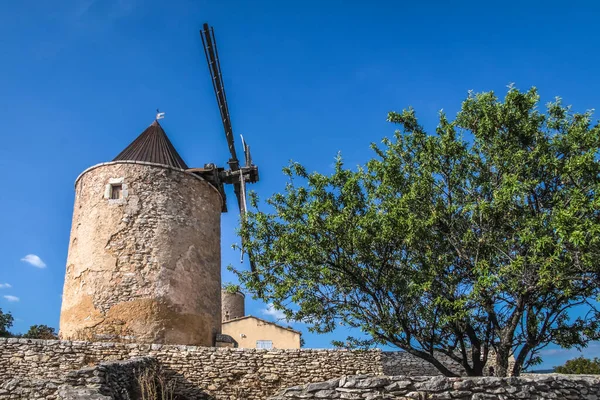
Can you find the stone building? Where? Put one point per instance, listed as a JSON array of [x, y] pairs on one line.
[[232, 305], [253, 332], [247, 331], [144, 258]]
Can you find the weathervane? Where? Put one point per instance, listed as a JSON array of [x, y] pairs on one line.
[[159, 115]]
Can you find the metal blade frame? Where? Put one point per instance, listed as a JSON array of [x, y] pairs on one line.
[[247, 173], [212, 58]]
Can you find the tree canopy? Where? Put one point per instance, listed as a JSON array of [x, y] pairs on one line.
[[232, 288], [6, 321], [480, 235], [41, 332], [580, 365]]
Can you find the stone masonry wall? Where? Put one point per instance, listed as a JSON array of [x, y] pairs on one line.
[[199, 372], [32, 368], [119, 380], [29, 388], [146, 266], [232, 305], [432, 388], [402, 363]]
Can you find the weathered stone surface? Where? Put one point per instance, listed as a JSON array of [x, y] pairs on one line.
[[313, 387], [94, 369], [146, 267], [118, 380], [70, 393], [441, 388], [436, 384], [398, 385], [232, 305], [402, 363], [224, 373], [326, 394]]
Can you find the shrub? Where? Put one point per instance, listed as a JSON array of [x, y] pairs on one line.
[[580, 365]]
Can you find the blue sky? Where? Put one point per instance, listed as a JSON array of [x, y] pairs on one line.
[[80, 79]]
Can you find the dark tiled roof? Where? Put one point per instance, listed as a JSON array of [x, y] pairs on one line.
[[154, 146], [224, 338]]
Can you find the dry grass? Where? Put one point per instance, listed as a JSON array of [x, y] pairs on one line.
[[155, 385]]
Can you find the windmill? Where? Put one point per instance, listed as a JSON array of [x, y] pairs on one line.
[[237, 175]]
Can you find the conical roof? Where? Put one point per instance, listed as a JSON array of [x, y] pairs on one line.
[[153, 146]]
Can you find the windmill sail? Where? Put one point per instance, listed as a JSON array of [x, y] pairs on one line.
[[236, 175]]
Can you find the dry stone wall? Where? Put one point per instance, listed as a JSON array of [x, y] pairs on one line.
[[402, 363], [199, 372], [29, 388], [434, 388], [37, 368], [119, 380]]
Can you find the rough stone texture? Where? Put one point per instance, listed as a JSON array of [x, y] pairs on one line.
[[24, 388], [439, 387], [146, 267], [224, 373], [402, 363], [32, 368], [232, 305], [108, 380]]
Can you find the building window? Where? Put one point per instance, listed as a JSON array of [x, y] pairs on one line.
[[116, 191], [264, 344]]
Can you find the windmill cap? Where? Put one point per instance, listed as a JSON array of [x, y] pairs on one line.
[[154, 146]]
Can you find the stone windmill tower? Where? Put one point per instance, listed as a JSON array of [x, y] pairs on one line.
[[144, 256]]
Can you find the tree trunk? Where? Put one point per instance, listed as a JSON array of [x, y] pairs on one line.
[[520, 360], [442, 368], [476, 370], [502, 354], [431, 359]]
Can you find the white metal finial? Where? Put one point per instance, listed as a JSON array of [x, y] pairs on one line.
[[159, 115]]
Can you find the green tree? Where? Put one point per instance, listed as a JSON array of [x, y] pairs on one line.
[[40, 332], [482, 235], [232, 288], [580, 365], [6, 321]]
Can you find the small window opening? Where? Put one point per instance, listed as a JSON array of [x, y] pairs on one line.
[[116, 191], [264, 344]]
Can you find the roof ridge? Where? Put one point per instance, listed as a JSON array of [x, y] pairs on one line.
[[263, 320]]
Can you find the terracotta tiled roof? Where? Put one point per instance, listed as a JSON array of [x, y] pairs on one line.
[[154, 146]]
